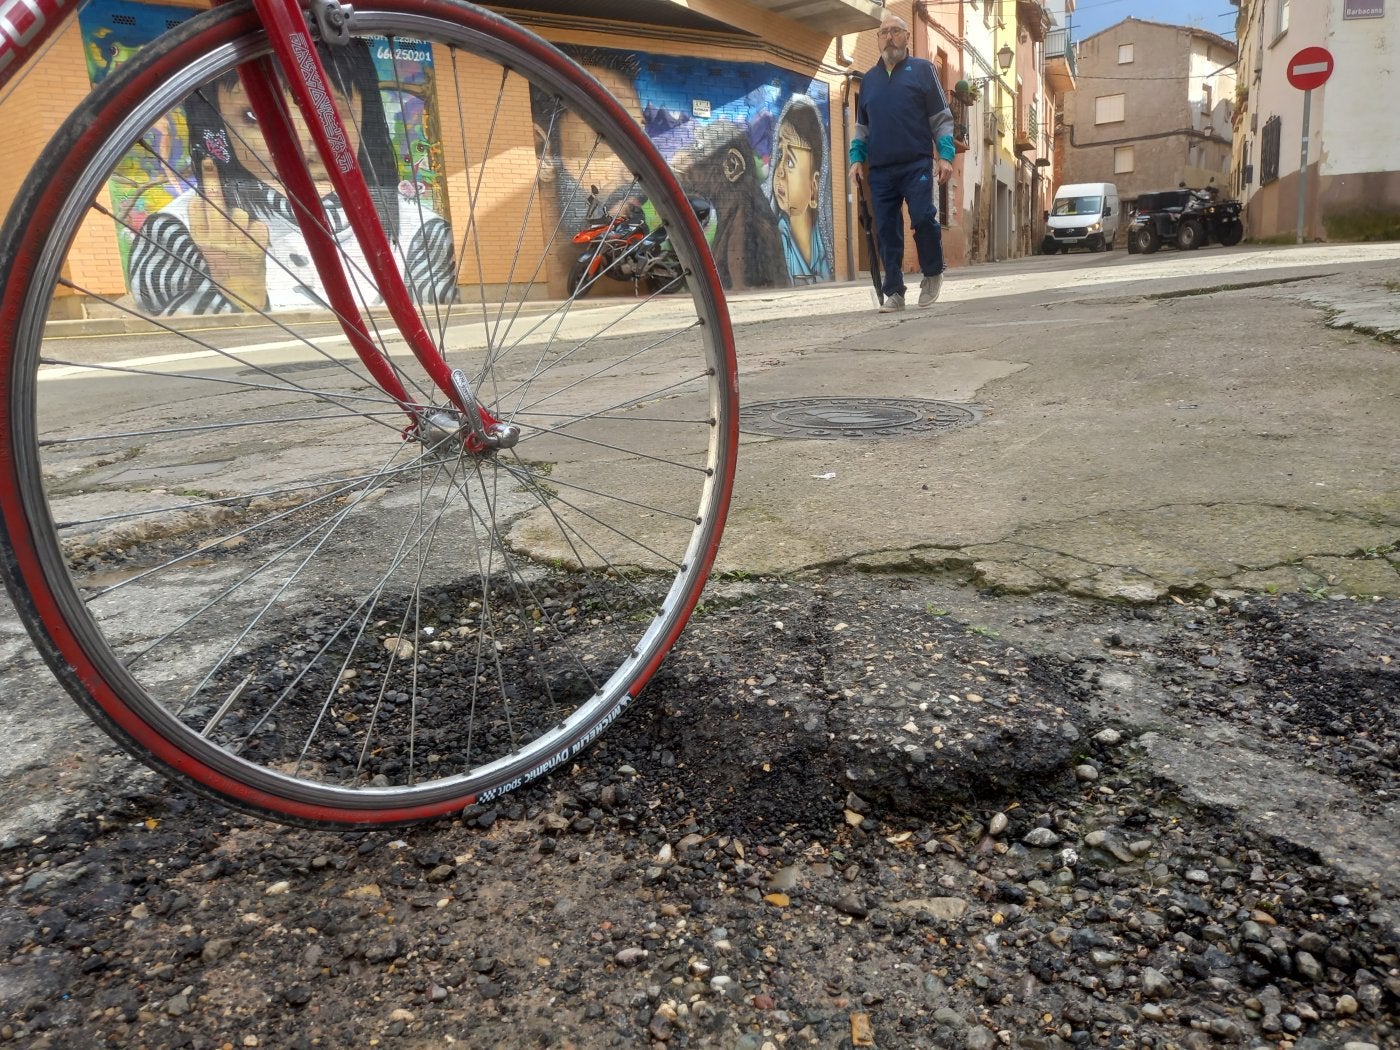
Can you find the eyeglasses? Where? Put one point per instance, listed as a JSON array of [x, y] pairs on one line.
[[890, 32]]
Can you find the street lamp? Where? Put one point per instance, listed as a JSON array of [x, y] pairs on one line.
[[969, 88]]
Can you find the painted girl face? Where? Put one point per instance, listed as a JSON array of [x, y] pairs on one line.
[[795, 178], [247, 142]]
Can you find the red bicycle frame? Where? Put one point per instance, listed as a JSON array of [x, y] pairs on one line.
[[25, 25]]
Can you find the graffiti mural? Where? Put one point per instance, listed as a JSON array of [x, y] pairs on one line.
[[749, 138], [799, 160], [202, 224]]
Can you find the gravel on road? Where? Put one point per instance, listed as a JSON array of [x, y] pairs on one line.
[[853, 810]]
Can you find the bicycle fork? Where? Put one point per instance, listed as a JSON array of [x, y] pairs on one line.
[[470, 427]]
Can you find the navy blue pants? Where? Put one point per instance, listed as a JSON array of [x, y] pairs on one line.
[[892, 186]]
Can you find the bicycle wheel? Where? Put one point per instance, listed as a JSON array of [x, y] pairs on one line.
[[257, 571]]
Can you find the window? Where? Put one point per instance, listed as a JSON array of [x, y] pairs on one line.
[[1281, 18], [1108, 109], [1122, 160], [1268, 150], [1086, 205], [1125, 54]]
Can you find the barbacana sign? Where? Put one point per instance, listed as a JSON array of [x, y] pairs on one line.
[[1363, 8]]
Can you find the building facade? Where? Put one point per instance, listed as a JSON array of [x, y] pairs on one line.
[[1152, 108], [1352, 178], [1035, 114], [991, 59], [1060, 73], [709, 80]]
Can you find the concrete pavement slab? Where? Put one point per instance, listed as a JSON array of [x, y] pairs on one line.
[[1145, 425], [1170, 425]]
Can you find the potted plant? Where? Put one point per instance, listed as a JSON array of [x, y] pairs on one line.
[[966, 92]]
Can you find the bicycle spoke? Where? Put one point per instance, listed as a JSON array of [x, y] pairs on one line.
[[368, 604], [358, 274], [266, 549], [327, 527], [342, 398], [208, 427], [228, 354], [222, 501], [603, 370]]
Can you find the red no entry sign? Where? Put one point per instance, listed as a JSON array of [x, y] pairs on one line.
[[1310, 68]]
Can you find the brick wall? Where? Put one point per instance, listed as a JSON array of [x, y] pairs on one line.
[[506, 218]]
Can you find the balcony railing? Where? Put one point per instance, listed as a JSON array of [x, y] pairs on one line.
[[1057, 46], [1060, 69], [1032, 15]]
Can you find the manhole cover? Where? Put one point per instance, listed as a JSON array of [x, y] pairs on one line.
[[854, 417]]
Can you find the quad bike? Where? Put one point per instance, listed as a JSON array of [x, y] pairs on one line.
[[1155, 220], [1207, 218], [1184, 218]]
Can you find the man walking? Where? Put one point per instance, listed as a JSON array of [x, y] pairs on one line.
[[903, 142]]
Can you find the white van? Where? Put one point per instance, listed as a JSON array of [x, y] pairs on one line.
[[1084, 215]]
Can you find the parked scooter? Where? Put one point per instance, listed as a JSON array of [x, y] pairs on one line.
[[621, 246]]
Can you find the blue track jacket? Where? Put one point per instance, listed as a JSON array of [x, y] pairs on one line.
[[903, 114]]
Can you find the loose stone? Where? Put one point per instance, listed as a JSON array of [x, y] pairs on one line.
[[1154, 984]]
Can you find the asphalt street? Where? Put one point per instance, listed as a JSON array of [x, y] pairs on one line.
[[1132, 428], [1139, 425]]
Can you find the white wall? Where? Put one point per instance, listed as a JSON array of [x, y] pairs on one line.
[[1353, 121], [1274, 96], [1205, 71], [1361, 102], [980, 61]]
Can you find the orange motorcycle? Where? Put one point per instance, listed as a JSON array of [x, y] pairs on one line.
[[622, 246]]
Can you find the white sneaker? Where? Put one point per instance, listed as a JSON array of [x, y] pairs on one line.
[[892, 304], [929, 289]]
